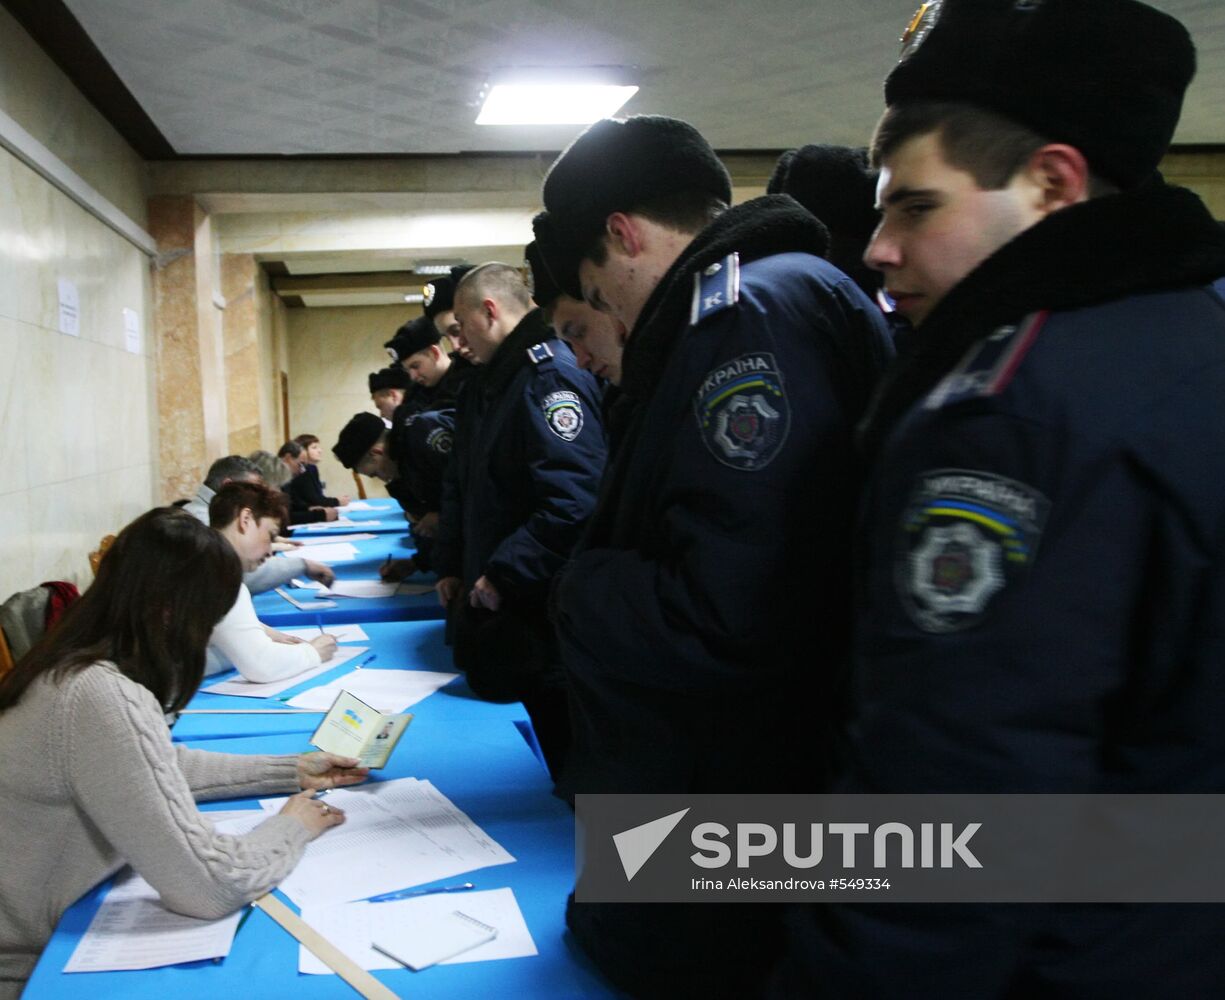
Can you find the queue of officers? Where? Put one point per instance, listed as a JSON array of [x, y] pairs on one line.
[[902, 478]]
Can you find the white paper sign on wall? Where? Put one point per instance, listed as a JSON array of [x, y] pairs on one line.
[[70, 308], [131, 330]]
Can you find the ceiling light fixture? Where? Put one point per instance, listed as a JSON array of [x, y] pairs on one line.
[[577, 96], [414, 298], [435, 267]]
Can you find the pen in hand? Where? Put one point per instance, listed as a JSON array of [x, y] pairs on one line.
[[387, 897]]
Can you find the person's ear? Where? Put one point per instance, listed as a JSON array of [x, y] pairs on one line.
[[623, 235], [246, 520], [1058, 175]]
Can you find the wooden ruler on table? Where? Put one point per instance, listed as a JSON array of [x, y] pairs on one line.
[[324, 950]]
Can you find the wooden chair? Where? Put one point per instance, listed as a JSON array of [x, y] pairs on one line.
[[361, 487], [6, 655], [96, 557]]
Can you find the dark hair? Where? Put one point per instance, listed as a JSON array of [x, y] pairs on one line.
[[233, 498], [306, 440], [290, 448], [232, 467], [685, 211], [988, 146], [161, 588]]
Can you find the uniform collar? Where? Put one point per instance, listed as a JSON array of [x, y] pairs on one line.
[[1151, 239]]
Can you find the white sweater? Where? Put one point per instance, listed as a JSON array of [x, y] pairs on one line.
[[90, 781], [239, 641]]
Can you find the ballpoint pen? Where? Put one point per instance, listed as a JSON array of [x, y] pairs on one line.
[[387, 897], [369, 659]]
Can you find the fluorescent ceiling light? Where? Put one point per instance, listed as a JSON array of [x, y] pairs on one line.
[[414, 298], [554, 97], [435, 268]]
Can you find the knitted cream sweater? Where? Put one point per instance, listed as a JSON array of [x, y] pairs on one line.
[[90, 780]]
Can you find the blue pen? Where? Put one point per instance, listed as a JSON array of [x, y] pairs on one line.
[[387, 897], [369, 659]]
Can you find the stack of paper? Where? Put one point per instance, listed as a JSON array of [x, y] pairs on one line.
[[396, 834], [356, 505], [339, 552], [385, 690], [331, 540], [132, 930], [359, 588], [266, 689], [352, 926], [340, 522], [341, 633]]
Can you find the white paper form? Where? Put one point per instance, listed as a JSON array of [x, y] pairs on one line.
[[356, 506], [385, 690], [132, 930], [341, 633], [396, 834], [360, 588], [340, 552], [339, 522], [333, 539], [350, 926], [251, 689]]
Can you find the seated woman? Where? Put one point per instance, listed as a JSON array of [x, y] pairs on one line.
[[91, 779], [248, 516]]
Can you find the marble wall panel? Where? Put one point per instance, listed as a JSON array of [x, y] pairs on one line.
[[14, 416], [16, 544]]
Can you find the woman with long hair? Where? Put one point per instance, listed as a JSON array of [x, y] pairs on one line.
[[91, 779]]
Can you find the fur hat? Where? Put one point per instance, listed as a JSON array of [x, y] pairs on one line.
[[393, 377], [1105, 76], [834, 183], [359, 435], [440, 293], [553, 272], [619, 164], [415, 335]]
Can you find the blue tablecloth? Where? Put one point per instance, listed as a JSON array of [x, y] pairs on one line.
[[388, 514], [398, 645], [488, 772], [274, 610]]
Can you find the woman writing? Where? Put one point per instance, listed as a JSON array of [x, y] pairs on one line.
[[91, 778]]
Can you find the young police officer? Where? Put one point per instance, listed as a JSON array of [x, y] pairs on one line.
[[528, 455], [436, 374], [1044, 577], [723, 519]]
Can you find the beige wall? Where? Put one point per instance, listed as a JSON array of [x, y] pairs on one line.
[[43, 101], [76, 413], [76, 448], [331, 351]]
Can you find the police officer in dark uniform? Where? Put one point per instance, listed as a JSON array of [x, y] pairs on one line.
[[439, 304], [528, 455], [703, 620], [410, 457], [388, 387], [1043, 594], [437, 375]]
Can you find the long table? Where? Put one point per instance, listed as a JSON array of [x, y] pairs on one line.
[[488, 772], [397, 646], [272, 609], [386, 513]]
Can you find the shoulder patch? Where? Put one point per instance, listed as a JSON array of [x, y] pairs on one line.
[[988, 366], [715, 288], [540, 353], [742, 411], [563, 412], [439, 440], [964, 537]]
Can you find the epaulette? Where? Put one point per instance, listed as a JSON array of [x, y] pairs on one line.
[[988, 366], [541, 355], [715, 288]]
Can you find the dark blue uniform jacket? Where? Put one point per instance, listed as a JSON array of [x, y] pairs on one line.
[[1042, 607], [704, 620], [529, 452]]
